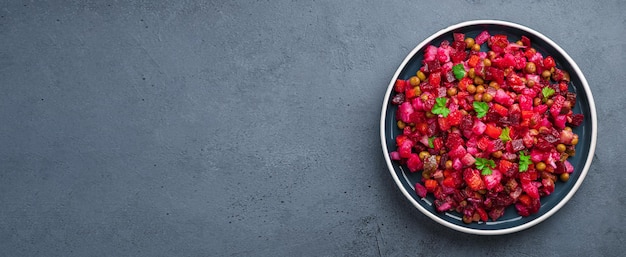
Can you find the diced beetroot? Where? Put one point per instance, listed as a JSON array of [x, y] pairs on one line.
[[525, 102], [434, 79], [458, 56], [395, 156], [444, 207], [454, 140], [495, 145], [479, 70], [547, 186], [418, 104], [537, 58], [496, 213], [454, 118], [407, 131], [525, 41], [437, 143], [472, 179], [405, 111], [532, 77], [577, 119], [397, 99], [414, 163], [492, 73], [444, 125], [482, 213], [483, 143], [479, 127], [555, 109], [536, 155], [568, 167], [423, 139], [430, 54], [515, 193], [507, 61], [543, 145], [468, 159], [528, 140], [458, 152], [438, 175], [540, 109], [559, 121], [517, 144], [448, 184], [566, 137], [552, 159], [405, 149], [435, 66], [498, 43], [400, 85], [548, 62], [431, 129], [492, 180], [457, 164], [525, 200], [522, 210], [509, 156], [458, 37], [448, 78], [482, 37], [472, 150], [520, 61], [530, 189], [503, 98], [420, 190], [443, 54]]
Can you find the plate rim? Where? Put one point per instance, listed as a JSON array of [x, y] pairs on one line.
[[562, 202]]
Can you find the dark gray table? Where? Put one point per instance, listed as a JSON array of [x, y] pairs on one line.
[[187, 128]]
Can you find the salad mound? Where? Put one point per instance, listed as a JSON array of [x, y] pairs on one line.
[[486, 129]]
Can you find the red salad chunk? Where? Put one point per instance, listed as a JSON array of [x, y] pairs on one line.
[[487, 121]]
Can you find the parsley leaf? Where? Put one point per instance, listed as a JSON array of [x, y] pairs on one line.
[[504, 136], [440, 107], [430, 142], [547, 92], [524, 161], [485, 165], [459, 71], [481, 109]]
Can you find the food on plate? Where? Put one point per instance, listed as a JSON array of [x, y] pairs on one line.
[[487, 121]]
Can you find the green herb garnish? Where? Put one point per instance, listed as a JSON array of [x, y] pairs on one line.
[[504, 136], [524, 161], [547, 92], [459, 71], [481, 109], [440, 107], [485, 165], [430, 142]]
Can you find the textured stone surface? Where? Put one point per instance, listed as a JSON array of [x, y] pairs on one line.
[[184, 128]]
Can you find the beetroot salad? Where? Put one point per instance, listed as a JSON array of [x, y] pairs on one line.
[[486, 129]]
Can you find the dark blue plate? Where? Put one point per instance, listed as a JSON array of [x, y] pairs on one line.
[[511, 221]]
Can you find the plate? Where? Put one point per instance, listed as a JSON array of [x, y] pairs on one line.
[[510, 222]]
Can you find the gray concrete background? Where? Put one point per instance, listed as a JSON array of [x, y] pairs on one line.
[[219, 128]]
